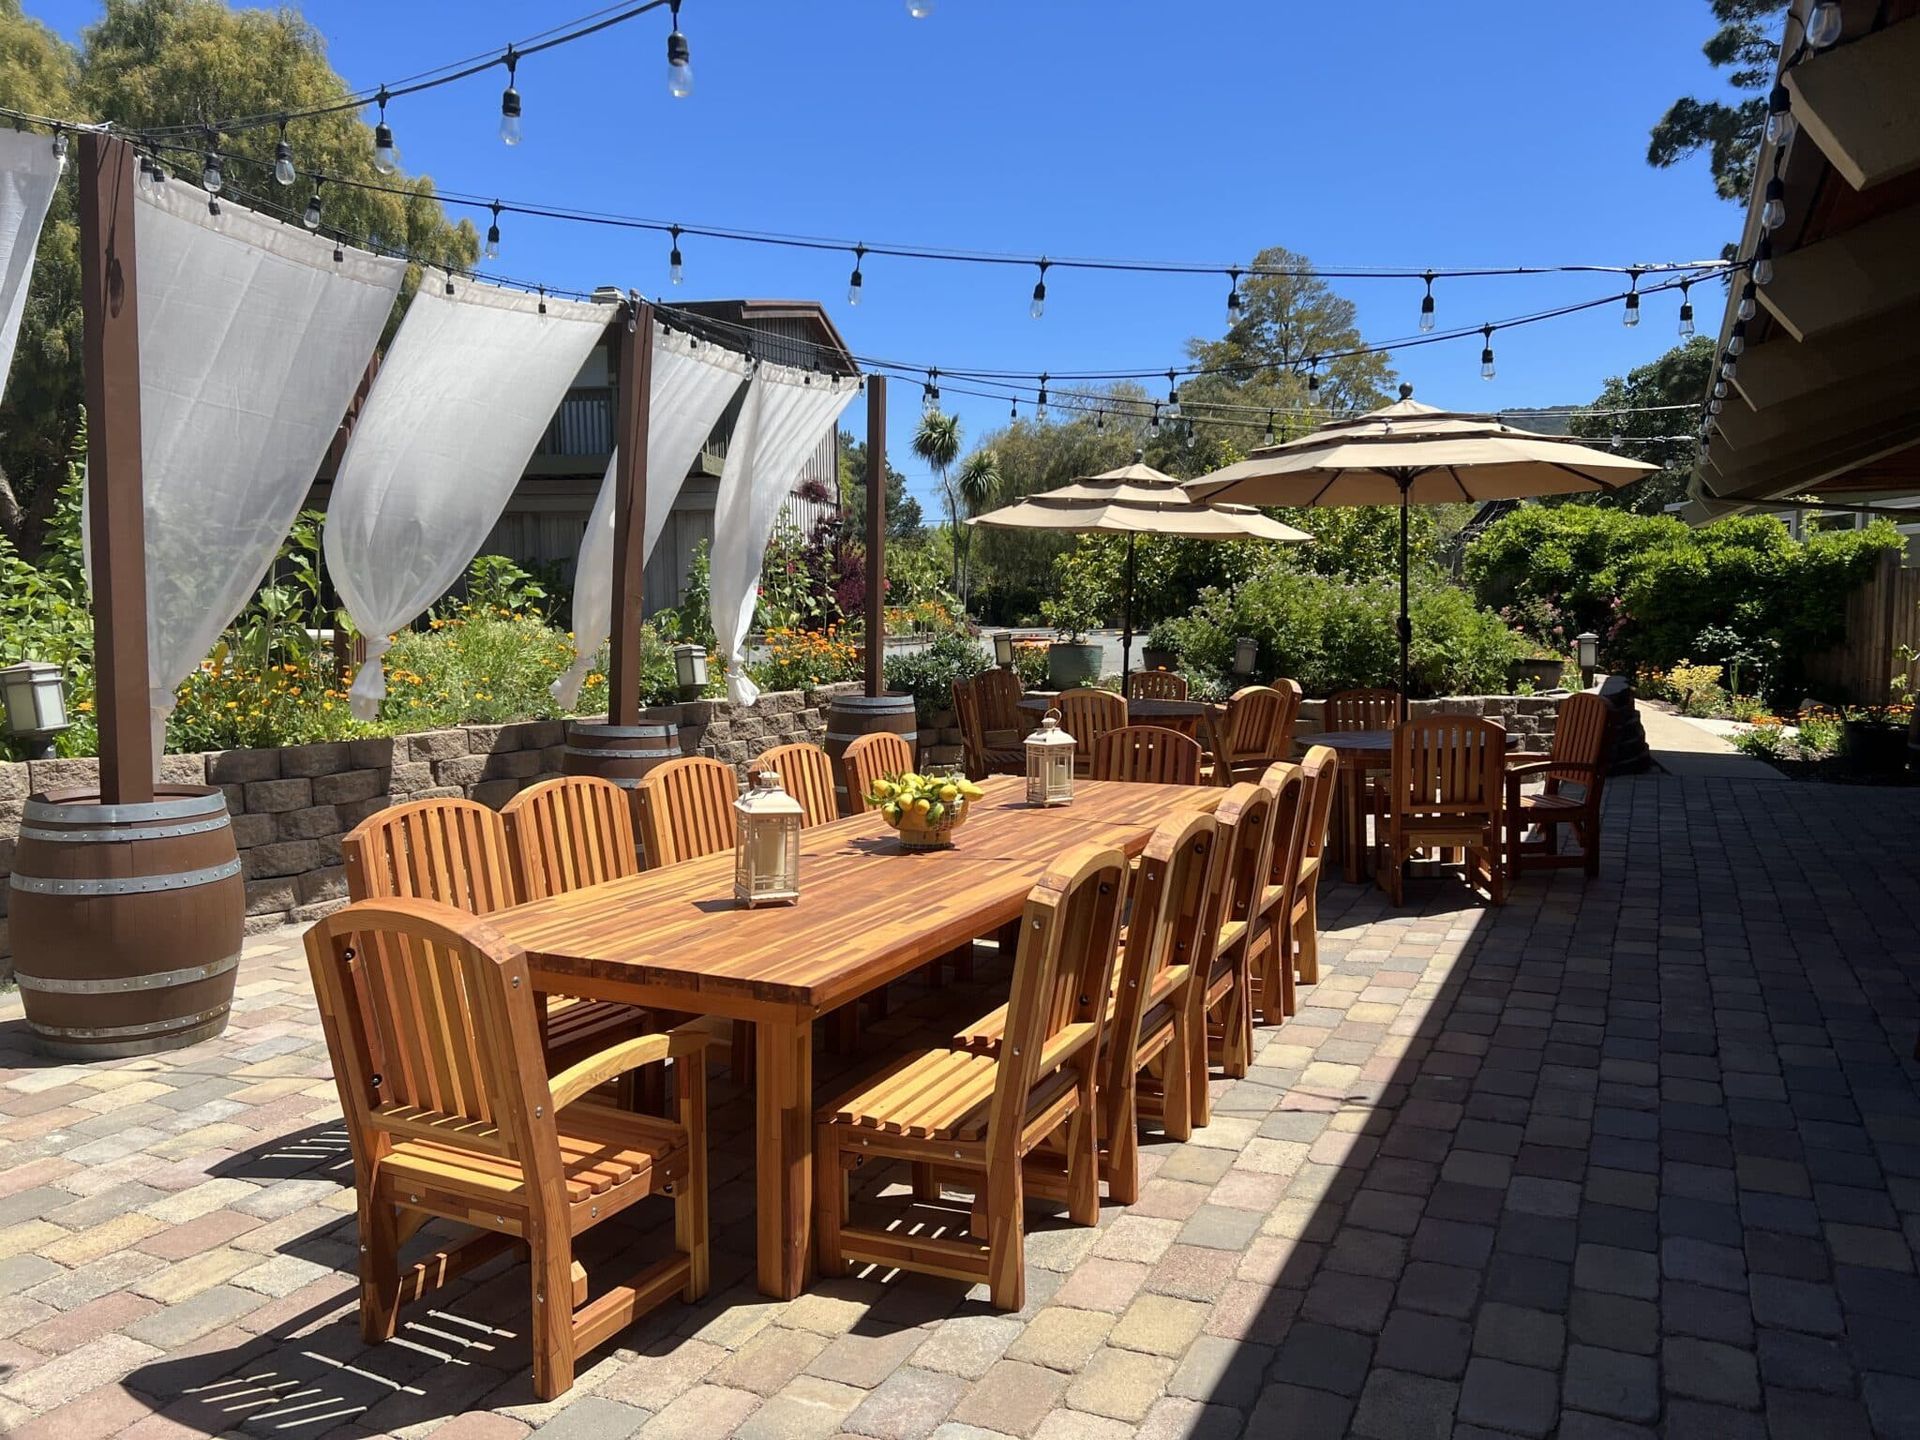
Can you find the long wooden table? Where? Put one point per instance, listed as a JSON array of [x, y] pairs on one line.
[[868, 914]]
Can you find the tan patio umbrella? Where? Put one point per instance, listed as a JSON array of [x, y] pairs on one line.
[[1415, 454], [1135, 500]]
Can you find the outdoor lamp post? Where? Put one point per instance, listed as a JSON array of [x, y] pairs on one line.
[[766, 852], [35, 696], [1244, 651], [1587, 655], [1003, 649], [690, 670], [1050, 763]]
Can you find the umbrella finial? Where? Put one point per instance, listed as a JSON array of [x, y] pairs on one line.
[[1406, 391]]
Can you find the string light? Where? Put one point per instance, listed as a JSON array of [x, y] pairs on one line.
[[1737, 338], [60, 148], [1313, 375], [1749, 306], [1013, 411], [386, 159], [1269, 427], [676, 271], [1154, 427], [1824, 24], [1040, 406], [1233, 298], [855, 281], [449, 286], [1100, 420], [1686, 311], [510, 102], [1773, 214], [1173, 394], [283, 171], [679, 59], [1720, 389], [1780, 121], [492, 252], [311, 219], [1730, 367], [1426, 306], [1762, 270], [211, 178], [919, 9], [930, 393], [1631, 316], [543, 304], [1486, 352], [1039, 305]]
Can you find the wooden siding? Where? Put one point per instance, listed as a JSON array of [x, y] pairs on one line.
[[1882, 616]]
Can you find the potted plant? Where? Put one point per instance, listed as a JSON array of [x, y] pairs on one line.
[[924, 809], [1874, 737], [1542, 670], [1160, 653], [1071, 659]]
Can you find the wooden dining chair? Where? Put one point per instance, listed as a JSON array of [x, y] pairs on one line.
[[870, 758], [686, 810], [1221, 1009], [1367, 708], [568, 833], [1575, 773], [456, 852], [806, 773], [988, 748], [1269, 959], [1443, 792], [1150, 754], [431, 1025], [1253, 730], [1320, 772], [1156, 685], [1087, 714], [978, 1118]]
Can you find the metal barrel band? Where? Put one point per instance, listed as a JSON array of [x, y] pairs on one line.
[[174, 808], [119, 984], [143, 832], [126, 885], [590, 753], [627, 732], [128, 1032]]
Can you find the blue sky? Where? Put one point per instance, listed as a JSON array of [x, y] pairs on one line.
[[1401, 132]]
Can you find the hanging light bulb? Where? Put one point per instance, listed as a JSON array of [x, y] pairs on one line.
[[1686, 311], [1100, 420], [1269, 427], [1719, 389], [1780, 122], [510, 103], [1313, 376], [679, 60], [1040, 406], [930, 393], [919, 9], [386, 158], [211, 178], [1233, 298], [1773, 214], [1824, 24], [855, 281], [1713, 405], [1749, 306], [312, 218], [1631, 316], [1486, 352], [1737, 338], [60, 148], [1039, 305], [283, 172], [1173, 395], [676, 272], [492, 252], [1154, 427], [1426, 306], [1013, 411], [1729, 367], [1763, 261]]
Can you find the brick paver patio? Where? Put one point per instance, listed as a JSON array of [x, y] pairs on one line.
[[1631, 1157]]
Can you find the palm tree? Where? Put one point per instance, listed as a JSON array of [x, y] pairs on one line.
[[978, 482], [937, 442]]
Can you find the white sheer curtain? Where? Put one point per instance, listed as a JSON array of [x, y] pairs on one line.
[[29, 174], [461, 400], [692, 383], [252, 340], [786, 415]]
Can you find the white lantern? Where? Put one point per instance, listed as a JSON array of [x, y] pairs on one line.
[[34, 694], [1050, 763], [1003, 649], [690, 670], [1245, 649], [766, 847]]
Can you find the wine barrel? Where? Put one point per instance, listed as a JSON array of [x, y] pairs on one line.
[[850, 717], [620, 753], [126, 921]]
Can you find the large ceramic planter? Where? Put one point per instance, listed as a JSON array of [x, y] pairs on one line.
[[1071, 664], [1874, 746], [1152, 659], [1544, 674]]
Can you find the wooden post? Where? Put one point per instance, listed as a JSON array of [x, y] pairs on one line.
[[631, 415], [116, 520], [876, 534]]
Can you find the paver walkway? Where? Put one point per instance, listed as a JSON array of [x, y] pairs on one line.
[[1634, 1157]]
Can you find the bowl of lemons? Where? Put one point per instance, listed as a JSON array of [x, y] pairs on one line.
[[925, 809]]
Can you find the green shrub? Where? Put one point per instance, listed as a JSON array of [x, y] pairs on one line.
[[928, 674]]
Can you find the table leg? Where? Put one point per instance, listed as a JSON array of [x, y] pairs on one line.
[[783, 1102], [1353, 800]]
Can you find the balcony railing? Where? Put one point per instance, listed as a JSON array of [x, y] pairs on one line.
[[583, 426]]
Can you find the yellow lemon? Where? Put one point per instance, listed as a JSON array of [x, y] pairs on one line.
[[947, 792], [920, 807]]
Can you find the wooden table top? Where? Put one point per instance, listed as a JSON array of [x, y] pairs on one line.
[[868, 912]]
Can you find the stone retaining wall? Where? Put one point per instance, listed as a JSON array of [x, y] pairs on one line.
[[291, 805]]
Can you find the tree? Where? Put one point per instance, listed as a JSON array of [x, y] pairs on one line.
[[1729, 133], [937, 442], [977, 483], [1678, 377], [904, 520], [155, 63]]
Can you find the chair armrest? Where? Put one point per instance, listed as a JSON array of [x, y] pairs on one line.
[[576, 1080], [1526, 757]]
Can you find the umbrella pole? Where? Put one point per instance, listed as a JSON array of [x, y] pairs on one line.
[[1406, 618], [1126, 622]]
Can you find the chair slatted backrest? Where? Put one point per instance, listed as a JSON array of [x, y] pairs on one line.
[[1580, 738], [1259, 722], [1000, 692], [1087, 714], [806, 773], [1150, 754], [973, 725], [1169, 905], [686, 810], [1062, 973], [1156, 685], [447, 850], [879, 756], [1447, 766], [1286, 783], [1320, 771], [1247, 850], [1371, 708], [430, 1022], [568, 833]]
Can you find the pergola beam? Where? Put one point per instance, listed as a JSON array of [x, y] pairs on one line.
[[1784, 370], [1821, 414], [1860, 103], [1847, 279], [1774, 473]]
